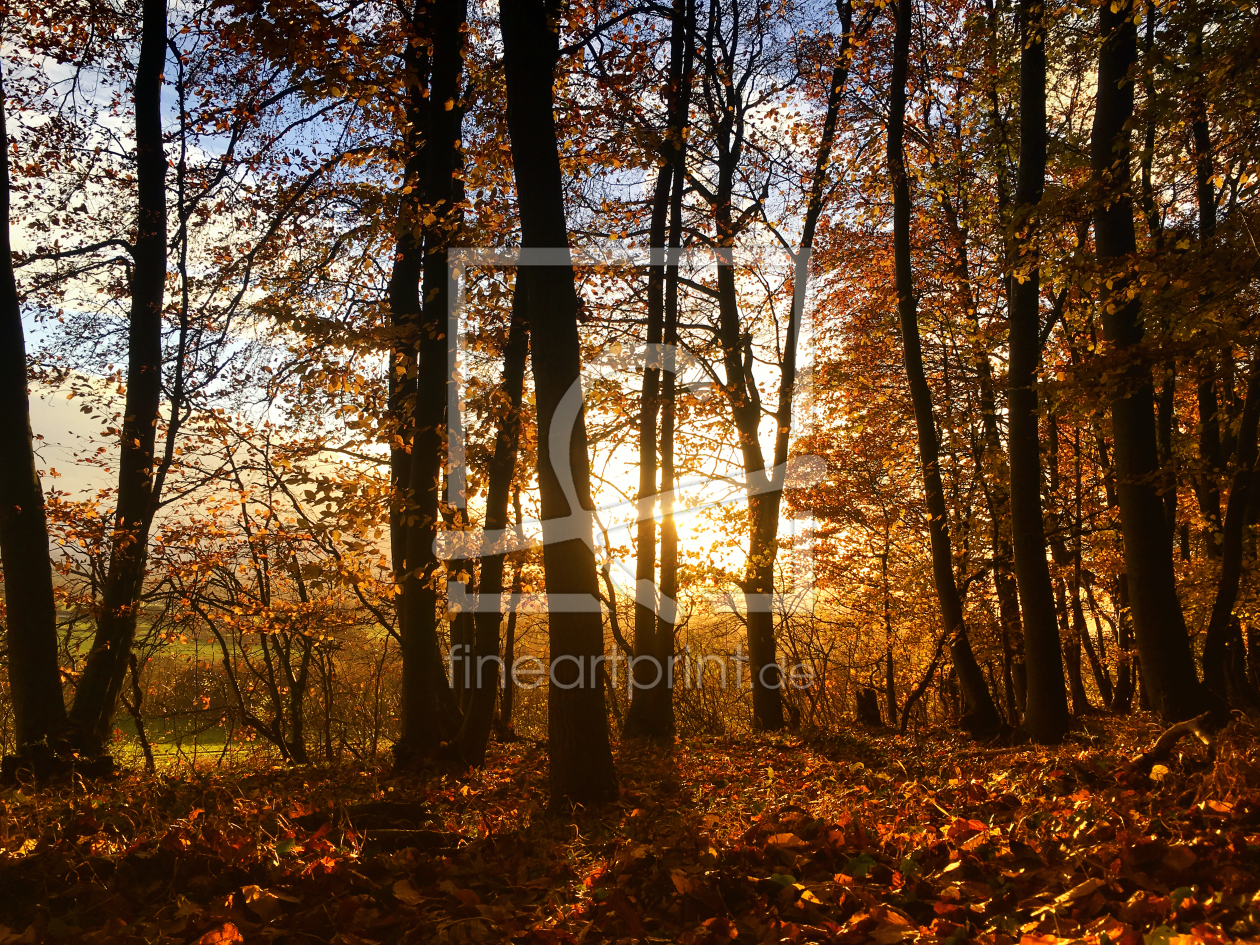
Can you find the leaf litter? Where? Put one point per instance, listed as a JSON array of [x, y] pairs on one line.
[[854, 838]]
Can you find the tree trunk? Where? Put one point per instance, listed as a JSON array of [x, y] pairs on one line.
[[134, 706], [1215, 648], [1079, 626], [981, 715], [1046, 712], [1208, 489], [890, 674], [1081, 630], [1167, 664], [643, 718], [488, 615], [96, 694], [667, 618], [1071, 649], [1005, 585], [31, 612], [582, 769], [403, 291], [429, 714]]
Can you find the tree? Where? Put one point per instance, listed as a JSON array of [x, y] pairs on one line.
[[1167, 662], [30, 611], [650, 713], [981, 715], [581, 760], [1046, 712], [429, 715], [96, 694]]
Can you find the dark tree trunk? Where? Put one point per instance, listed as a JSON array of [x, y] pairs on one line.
[[1126, 671], [647, 674], [1208, 489], [31, 613], [667, 619], [1165, 409], [765, 481], [577, 722], [890, 674], [1080, 629], [96, 694], [488, 615], [1046, 712], [429, 713], [993, 459], [650, 713], [505, 727], [1167, 664], [404, 285], [866, 708], [135, 708], [981, 715], [1215, 645], [1071, 649]]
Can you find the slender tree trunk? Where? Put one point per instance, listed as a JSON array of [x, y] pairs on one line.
[[1167, 663], [486, 673], [30, 610], [1210, 452], [981, 715], [1046, 712], [577, 722], [1101, 677], [1165, 411], [1080, 630], [651, 712], [1005, 584], [96, 694], [667, 618], [1215, 648], [404, 285], [890, 674], [1071, 651], [429, 713], [134, 706], [647, 674], [1126, 670]]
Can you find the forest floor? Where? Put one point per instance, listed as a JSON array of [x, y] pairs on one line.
[[853, 838]]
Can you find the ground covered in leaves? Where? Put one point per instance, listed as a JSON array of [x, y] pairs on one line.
[[851, 838]]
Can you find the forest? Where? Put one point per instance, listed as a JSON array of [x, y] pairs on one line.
[[565, 471]]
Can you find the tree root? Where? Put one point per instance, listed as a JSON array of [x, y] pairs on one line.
[[1162, 749]]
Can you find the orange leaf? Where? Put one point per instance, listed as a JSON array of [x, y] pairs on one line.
[[223, 935]]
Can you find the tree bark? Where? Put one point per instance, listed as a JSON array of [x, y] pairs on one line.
[[487, 617], [981, 715], [651, 711], [429, 714], [646, 673], [31, 612], [667, 618], [1211, 457], [506, 729], [96, 694], [1215, 645], [1046, 712], [1167, 664], [582, 769], [403, 291]]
